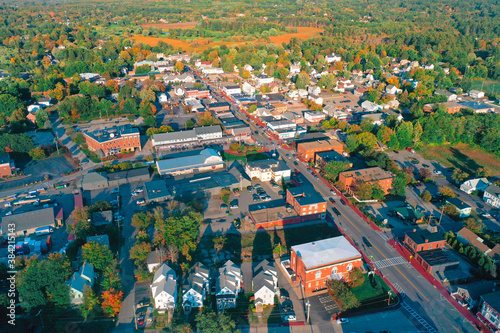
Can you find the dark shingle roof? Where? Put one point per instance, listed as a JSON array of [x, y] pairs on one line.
[[493, 300], [419, 236]]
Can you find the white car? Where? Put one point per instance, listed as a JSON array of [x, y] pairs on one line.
[[289, 317], [486, 215], [134, 194], [140, 202], [8, 213], [342, 320], [437, 172], [139, 190]]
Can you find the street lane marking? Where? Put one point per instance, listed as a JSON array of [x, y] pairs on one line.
[[418, 318], [383, 235], [390, 262], [390, 248]]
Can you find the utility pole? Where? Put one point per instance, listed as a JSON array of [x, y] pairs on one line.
[[442, 210], [308, 306], [56, 141]]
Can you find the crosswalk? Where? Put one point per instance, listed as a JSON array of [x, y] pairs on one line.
[[421, 320], [383, 235], [390, 262]]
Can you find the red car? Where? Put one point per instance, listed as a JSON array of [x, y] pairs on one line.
[[297, 171]]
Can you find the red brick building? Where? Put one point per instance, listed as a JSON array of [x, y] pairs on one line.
[[191, 91], [307, 150], [113, 140], [348, 179], [423, 240], [6, 165], [306, 201], [317, 262]]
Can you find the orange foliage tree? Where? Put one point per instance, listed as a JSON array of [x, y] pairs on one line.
[[111, 302]]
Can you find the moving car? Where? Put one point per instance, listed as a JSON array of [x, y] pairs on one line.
[[295, 163], [336, 211], [343, 202], [367, 242], [332, 200]]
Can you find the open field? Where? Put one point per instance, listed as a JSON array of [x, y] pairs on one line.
[[201, 44], [463, 157], [487, 86], [179, 25]]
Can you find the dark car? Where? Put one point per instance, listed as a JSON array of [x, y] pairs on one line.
[[287, 305], [367, 242], [336, 211], [284, 294], [426, 165], [295, 163], [342, 202], [331, 200]]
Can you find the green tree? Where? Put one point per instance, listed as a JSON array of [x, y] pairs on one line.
[[404, 133], [139, 253], [302, 80], [451, 211], [97, 255], [41, 117], [332, 169], [384, 134], [342, 295], [377, 192], [459, 176], [327, 81], [210, 322], [144, 69], [367, 140], [142, 220], [150, 121], [90, 305], [352, 142], [363, 191], [399, 184], [474, 225], [426, 196], [252, 108], [189, 124], [81, 227], [37, 154]]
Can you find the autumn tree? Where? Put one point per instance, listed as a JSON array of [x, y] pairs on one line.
[[426, 196], [97, 255], [37, 153], [139, 252], [81, 227], [179, 67], [425, 173], [447, 192], [356, 278], [474, 225], [459, 176], [142, 220], [111, 302]]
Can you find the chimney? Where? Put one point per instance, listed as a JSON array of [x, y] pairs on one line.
[[313, 244], [414, 230], [74, 278], [426, 240]]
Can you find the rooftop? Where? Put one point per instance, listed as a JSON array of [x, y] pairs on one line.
[[325, 252], [320, 144], [436, 257], [112, 133], [203, 158], [156, 189], [332, 155], [99, 239], [476, 105], [270, 211], [29, 220], [368, 174], [409, 213], [422, 236], [493, 300], [306, 195], [458, 203], [4, 158]]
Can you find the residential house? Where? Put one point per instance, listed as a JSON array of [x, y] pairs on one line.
[[450, 96], [164, 288], [99, 239], [492, 196], [302, 93], [263, 79], [469, 294], [265, 283], [370, 106], [376, 118], [472, 185], [489, 310], [423, 240], [466, 236], [392, 90], [332, 57], [162, 98], [343, 85], [314, 90], [450, 107], [205, 160], [155, 259], [195, 287], [314, 117], [376, 175], [306, 202], [268, 170], [102, 218], [476, 94], [6, 165], [294, 69], [247, 88], [45, 101], [84, 277], [463, 209], [360, 91], [228, 285], [316, 263], [307, 150]]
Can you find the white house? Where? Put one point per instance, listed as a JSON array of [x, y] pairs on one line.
[[293, 94], [178, 91], [232, 90], [450, 96], [228, 285], [429, 67], [294, 68], [370, 106], [77, 282], [267, 170], [303, 93], [343, 85], [476, 94], [45, 101], [212, 70], [164, 288], [34, 107], [265, 283], [154, 260], [183, 78], [492, 196], [463, 209], [315, 99], [247, 88], [314, 90], [477, 184], [247, 67], [162, 98], [392, 90], [263, 79], [332, 58], [195, 287]]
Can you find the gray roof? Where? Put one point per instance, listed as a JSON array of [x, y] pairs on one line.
[[275, 165], [4, 158], [188, 162], [458, 203], [128, 174], [102, 218], [154, 257], [493, 190], [156, 189], [99, 239], [263, 280], [306, 195], [420, 236], [78, 280], [185, 136], [165, 280], [112, 133], [332, 155], [208, 181], [227, 277], [326, 251], [493, 300], [29, 220], [94, 177]]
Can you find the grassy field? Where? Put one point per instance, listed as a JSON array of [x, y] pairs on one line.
[[201, 44], [463, 157], [166, 26], [487, 86]]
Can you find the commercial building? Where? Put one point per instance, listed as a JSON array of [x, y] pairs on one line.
[[478, 107], [489, 310], [195, 135], [218, 107], [315, 263], [6, 165], [306, 202], [94, 181], [190, 91], [348, 179], [156, 191], [113, 140], [128, 176], [325, 157], [409, 214], [201, 161], [451, 107], [26, 223], [314, 116], [423, 240], [268, 170], [307, 150], [232, 89]]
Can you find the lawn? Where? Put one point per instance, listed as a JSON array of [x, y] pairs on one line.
[[463, 157], [487, 86], [366, 291], [250, 157]]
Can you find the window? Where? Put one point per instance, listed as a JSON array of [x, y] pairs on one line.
[[309, 285], [334, 270], [349, 267], [318, 274]]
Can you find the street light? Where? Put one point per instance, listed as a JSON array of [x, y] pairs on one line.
[[389, 298]]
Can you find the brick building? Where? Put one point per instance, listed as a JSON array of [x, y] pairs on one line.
[[112, 140], [6, 165], [306, 201], [348, 179], [317, 262], [191, 91], [307, 150], [218, 107], [424, 240]]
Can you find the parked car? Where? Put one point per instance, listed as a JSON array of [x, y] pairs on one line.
[[426, 165], [342, 320], [486, 214], [289, 317], [437, 172], [343, 202], [367, 242], [332, 192], [139, 190], [134, 194], [223, 206], [140, 202], [115, 190], [284, 294], [234, 206], [336, 211], [295, 163], [332, 200], [287, 305], [257, 186]]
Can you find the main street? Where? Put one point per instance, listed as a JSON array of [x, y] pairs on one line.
[[430, 309]]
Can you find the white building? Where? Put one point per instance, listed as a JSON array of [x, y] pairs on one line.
[[228, 286], [164, 288], [154, 260], [183, 78], [196, 134], [463, 209], [370, 106], [195, 287], [303, 93], [77, 282], [268, 170], [332, 57], [248, 89], [476, 94], [314, 90], [265, 283], [263, 79], [162, 98], [294, 69], [492, 196], [314, 116], [392, 90], [232, 90], [477, 184]]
